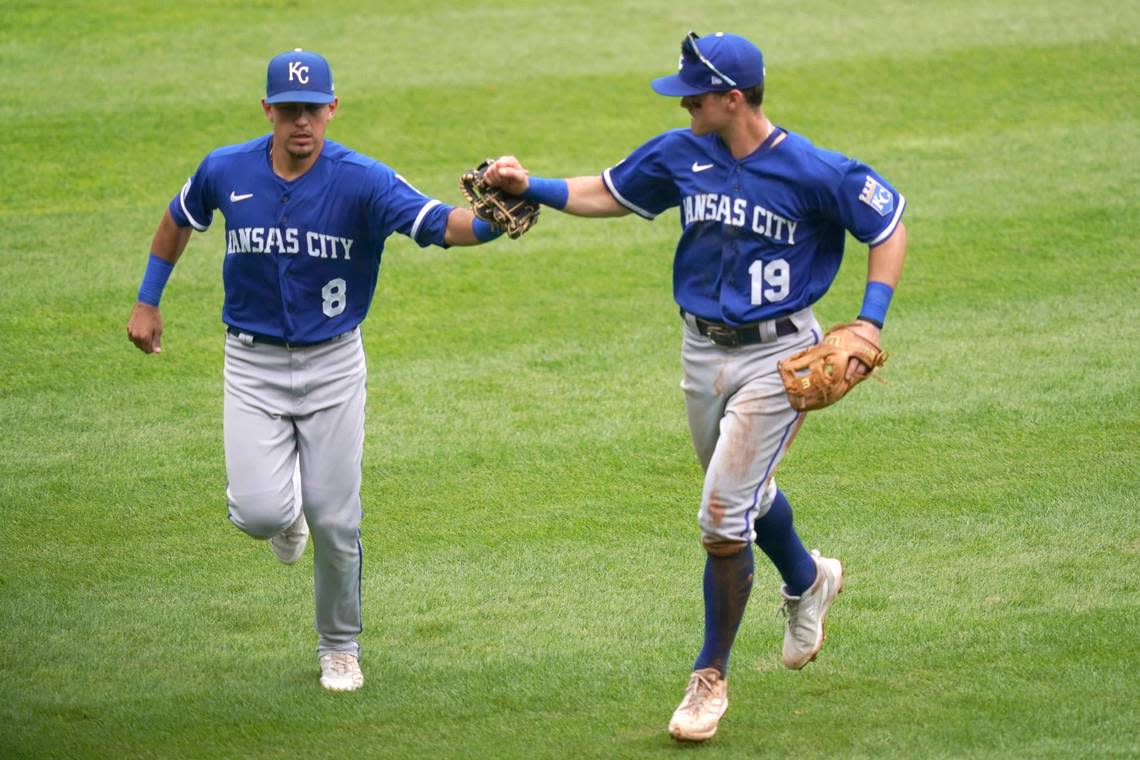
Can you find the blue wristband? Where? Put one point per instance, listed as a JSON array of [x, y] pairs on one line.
[[548, 192], [154, 280], [484, 231], [876, 300]]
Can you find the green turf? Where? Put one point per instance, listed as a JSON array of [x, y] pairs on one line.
[[532, 576]]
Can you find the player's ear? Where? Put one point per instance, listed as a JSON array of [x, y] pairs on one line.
[[333, 106], [268, 111]]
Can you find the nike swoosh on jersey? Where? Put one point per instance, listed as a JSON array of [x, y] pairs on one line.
[[699, 167], [234, 197]]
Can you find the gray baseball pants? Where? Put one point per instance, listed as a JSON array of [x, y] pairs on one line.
[[741, 424], [302, 409]]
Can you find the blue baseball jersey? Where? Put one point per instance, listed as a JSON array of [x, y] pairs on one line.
[[303, 256], [761, 236]]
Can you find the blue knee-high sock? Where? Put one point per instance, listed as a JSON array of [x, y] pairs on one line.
[[777, 538], [728, 582]]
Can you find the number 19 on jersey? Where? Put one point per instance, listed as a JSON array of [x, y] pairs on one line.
[[771, 281]]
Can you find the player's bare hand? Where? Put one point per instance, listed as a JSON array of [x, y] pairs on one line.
[[856, 368], [144, 328], [506, 172]]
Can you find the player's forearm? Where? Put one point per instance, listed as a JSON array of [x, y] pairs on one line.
[[589, 196], [165, 249], [144, 328], [885, 261], [884, 267], [463, 228], [580, 196]]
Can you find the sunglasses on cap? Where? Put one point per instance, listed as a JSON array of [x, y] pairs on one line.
[[690, 51]]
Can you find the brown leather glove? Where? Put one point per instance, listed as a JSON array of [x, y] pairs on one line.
[[505, 212], [816, 377]]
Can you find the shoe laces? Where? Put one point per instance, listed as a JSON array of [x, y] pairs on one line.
[[789, 609], [340, 663], [698, 692]]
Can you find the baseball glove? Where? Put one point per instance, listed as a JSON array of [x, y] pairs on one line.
[[815, 377], [505, 212]]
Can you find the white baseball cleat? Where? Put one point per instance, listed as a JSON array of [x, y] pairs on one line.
[[340, 671], [706, 699], [289, 544], [803, 636]]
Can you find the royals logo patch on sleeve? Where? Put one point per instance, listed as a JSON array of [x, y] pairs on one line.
[[877, 197]]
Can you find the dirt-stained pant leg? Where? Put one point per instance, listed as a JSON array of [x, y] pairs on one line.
[[741, 425]]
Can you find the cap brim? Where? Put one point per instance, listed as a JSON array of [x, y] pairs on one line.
[[301, 96], [672, 86]]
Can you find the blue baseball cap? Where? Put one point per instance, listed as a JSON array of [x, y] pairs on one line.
[[299, 76], [718, 63]]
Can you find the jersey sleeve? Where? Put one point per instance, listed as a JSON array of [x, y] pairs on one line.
[[195, 203], [867, 205], [642, 181], [398, 207]]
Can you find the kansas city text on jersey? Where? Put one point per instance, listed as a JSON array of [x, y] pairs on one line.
[[714, 207], [288, 240]]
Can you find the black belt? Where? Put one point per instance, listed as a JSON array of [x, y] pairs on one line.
[[273, 341], [726, 335]]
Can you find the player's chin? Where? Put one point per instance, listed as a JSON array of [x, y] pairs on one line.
[[301, 151]]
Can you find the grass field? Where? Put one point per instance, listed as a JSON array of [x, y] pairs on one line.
[[532, 566]]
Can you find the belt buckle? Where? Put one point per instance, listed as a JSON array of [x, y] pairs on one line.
[[722, 335]]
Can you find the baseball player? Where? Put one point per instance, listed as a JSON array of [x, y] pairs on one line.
[[306, 220], [763, 216]]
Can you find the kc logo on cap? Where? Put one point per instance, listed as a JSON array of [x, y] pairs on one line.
[[299, 76], [298, 71]]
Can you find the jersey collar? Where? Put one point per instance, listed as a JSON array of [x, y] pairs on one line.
[[774, 138]]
